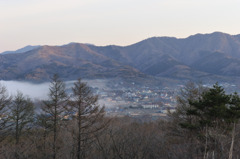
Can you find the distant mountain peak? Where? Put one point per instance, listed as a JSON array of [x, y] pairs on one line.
[[22, 50]]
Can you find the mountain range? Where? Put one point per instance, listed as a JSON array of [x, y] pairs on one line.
[[214, 56]]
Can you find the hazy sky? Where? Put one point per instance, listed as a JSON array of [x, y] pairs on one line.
[[104, 22]]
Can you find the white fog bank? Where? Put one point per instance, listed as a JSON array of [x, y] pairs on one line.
[[35, 91], [41, 90]]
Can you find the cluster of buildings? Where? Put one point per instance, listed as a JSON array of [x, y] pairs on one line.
[[137, 101]]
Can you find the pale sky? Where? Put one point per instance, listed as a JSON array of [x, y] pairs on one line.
[[105, 22]]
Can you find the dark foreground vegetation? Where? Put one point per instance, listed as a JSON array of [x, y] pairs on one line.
[[204, 125]]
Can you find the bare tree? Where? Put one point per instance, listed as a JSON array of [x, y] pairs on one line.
[[44, 129], [55, 108], [5, 100], [21, 115], [87, 114]]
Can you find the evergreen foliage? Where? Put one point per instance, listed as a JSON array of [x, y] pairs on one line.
[[214, 108]]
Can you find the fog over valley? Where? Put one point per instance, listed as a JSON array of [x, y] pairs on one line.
[[32, 90], [40, 90]]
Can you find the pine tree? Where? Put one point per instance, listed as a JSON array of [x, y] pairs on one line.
[[211, 108], [191, 91], [87, 115], [234, 109], [215, 114], [55, 108]]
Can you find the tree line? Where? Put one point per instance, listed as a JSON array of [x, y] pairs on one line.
[[78, 113], [74, 126]]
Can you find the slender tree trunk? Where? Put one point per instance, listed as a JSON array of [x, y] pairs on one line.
[[206, 144], [233, 138], [44, 143], [79, 134], [55, 134], [17, 137], [17, 130], [73, 149]]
